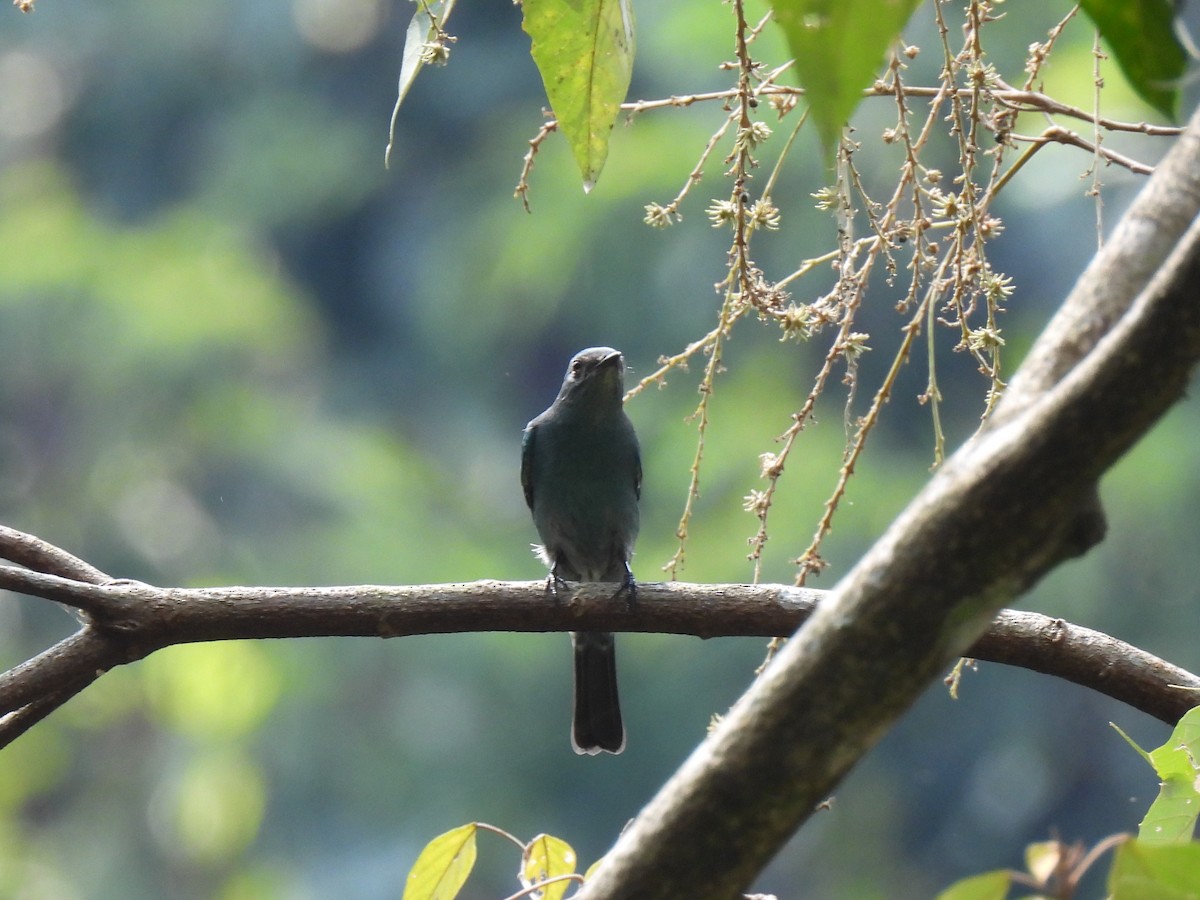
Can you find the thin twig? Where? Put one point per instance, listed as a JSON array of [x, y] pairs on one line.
[[1059, 135], [34, 553], [1019, 100], [535, 144]]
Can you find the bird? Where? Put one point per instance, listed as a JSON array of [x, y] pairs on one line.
[[581, 472]]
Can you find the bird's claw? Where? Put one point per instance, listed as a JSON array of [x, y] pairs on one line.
[[553, 582], [628, 587]]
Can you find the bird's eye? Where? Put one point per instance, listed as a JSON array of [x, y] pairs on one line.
[[576, 366]]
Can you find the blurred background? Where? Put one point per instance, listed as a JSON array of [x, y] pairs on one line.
[[234, 349]]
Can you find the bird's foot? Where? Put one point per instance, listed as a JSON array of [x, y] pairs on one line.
[[628, 587], [554, 581]]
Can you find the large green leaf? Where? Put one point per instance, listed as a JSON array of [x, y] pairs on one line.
[[838, 46], [1142, 38], [584, 52], [1171, 818], [1140, 872]]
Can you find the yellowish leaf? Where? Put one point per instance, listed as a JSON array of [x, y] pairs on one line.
[[584, 51], [547, 857], [443, 866]]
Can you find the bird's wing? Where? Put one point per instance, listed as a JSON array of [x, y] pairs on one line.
[[637, 472], [527, 440]]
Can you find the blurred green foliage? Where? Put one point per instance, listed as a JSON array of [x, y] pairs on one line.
[[839, 47], [233, 349], [1146, 45]]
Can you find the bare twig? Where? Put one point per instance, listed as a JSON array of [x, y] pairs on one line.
[[31, 691], [34, 553], [535, 144], [1019, 100], [1058, 135]]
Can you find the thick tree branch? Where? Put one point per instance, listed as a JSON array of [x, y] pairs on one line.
[[1089, 658], [1000, 514], [129, 620]]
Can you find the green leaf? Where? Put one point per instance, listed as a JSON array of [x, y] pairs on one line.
[[421, 30], [1171, 818], [988, 886], [1142, 37], [838, 46], [547, 857], [443, 866], [1140, 872], [584, 52]]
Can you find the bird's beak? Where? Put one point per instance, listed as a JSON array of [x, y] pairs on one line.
[[613, 359]]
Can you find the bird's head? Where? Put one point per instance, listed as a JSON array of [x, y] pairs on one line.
[[595, 375]]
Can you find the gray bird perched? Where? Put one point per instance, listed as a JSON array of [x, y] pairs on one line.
[[582, 474]]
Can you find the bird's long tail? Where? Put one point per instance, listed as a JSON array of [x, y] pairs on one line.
[[597, 724]]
